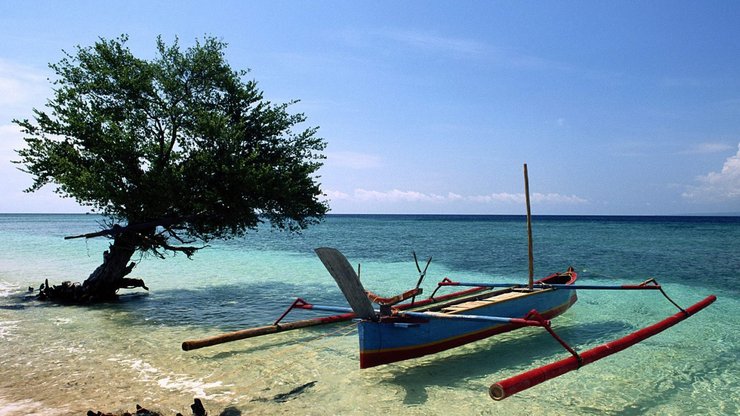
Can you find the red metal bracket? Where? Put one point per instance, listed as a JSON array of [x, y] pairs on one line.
[[444, 282], [298, 303], [534, 315]]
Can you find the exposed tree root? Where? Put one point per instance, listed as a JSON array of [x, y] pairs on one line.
[[197, 408]]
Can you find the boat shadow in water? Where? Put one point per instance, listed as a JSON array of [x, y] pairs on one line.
[[221, 308], [484, 359], [280, 340]]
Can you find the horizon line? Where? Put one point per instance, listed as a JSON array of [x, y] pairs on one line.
[[706, 214]]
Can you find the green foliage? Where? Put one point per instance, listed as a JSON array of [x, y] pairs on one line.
[[181, 137]]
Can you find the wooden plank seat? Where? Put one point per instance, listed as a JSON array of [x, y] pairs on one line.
[[475, 304]]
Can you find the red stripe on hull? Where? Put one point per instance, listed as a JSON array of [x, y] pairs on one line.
[[378, 357]]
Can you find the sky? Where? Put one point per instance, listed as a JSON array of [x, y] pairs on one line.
[[618, 108]]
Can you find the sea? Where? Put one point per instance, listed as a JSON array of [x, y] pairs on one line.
[[66, 360]]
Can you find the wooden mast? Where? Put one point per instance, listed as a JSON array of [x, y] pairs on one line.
[[529, 229]]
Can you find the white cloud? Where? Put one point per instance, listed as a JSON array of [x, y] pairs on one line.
[[396, 195], [14, 181], [557, 198], [706, 148], [498, 197], [718, 186], [21, 88], [11, 138], [336, 195], [454, 197], [520, 198]]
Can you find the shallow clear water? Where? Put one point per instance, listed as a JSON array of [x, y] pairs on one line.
[[66, 360]]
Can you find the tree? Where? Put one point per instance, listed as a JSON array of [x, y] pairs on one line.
[[173, 151]]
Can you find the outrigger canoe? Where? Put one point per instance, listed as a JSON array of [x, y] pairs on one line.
[[390, 335], [400, 330]]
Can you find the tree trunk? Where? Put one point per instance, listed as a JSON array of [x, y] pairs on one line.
[[104, 282]]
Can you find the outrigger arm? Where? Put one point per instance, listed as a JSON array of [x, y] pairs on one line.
[[641, 286], [531, 378]]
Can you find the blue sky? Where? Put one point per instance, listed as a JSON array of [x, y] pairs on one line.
[[433, 107]]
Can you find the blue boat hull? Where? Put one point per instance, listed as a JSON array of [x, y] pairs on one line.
[[397, 338]]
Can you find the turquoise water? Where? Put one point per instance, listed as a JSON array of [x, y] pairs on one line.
[[66, 360]]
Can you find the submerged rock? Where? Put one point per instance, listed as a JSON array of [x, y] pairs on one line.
[[284, 397], [198, 409], [197, 406]]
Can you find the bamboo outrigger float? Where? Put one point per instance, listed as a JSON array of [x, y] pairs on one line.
[[397, 331]]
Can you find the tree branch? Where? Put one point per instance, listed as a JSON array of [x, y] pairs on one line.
[[117, 229], [188, 250], [112, 232]]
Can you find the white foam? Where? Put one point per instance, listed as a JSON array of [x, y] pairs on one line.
[[196, 387], [172, 382], [27, 408], [7, 289], [146, 370], [7, 328], [61, 321]]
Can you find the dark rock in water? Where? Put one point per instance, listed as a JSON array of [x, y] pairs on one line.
[[198, 409], [284, 397], [231, 411], [67, 292], [197, 406], [140, 411]]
